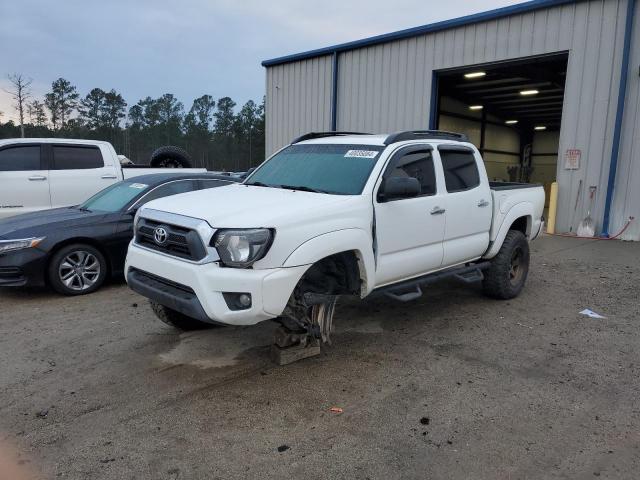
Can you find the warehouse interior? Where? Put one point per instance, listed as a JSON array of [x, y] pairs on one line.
[[512, 111]]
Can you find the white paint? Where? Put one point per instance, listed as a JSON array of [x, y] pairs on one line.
[[311, 226]]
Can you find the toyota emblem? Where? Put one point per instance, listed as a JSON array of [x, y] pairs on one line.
[[160, 235]]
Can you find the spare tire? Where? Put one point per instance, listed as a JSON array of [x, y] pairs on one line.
[[170, 157]]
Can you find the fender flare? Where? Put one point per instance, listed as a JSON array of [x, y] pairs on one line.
[[523, 209], [327, 244]]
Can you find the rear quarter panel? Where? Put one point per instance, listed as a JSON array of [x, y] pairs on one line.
[[508, 206]]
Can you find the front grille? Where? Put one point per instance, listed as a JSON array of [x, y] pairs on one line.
[[181, 242]]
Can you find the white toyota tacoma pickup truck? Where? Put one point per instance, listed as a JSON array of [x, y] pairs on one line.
[[41, 173], [334, 214]]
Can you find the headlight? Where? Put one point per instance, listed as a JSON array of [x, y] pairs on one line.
[[11, 245], [242, 248]]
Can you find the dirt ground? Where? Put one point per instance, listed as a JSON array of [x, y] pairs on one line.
[[452, 385]]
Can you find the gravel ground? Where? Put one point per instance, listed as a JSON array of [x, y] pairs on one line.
[[452, 385]]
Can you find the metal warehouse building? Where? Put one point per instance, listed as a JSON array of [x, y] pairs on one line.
[[548, 90]]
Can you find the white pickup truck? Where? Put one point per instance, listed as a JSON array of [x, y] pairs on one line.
[[334, 214], [41, 173]]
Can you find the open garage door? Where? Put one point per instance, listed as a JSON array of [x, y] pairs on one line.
[[512, 111]]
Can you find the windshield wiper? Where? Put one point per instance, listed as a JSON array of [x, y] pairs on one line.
[[302, 188], [260, 184], [83, 209]]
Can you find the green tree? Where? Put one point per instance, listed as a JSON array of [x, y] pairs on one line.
[[61, 102], [136, 116], [203, 109], [170, 113], [91, 108], [37, 115], [224, 117], [113, 109]]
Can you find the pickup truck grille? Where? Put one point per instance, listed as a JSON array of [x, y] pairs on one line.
[[176, 241]]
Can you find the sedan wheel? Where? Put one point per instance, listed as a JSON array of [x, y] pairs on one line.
[[77, 269]]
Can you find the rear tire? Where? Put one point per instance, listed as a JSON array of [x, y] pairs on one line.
[[176, 319], [506, 276], [77, 269], [170, 157]]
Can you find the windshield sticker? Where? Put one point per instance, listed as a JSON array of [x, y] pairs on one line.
[[361, 154], [140, 186]]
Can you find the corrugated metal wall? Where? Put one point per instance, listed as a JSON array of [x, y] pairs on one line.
[[626, 200], [387, 87], [298, 100]]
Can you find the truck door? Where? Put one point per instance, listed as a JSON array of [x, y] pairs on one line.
[[409, 231], [24, 182], [77, 172], [468, 205]]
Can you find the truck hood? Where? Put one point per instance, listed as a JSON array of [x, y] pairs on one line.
[[248, 206]]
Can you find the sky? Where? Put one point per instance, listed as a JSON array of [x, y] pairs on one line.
[[190, 47]]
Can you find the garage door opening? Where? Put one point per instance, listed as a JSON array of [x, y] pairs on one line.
[[511, 111]]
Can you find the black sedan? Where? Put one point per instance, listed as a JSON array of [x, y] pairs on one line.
[[74, 249]]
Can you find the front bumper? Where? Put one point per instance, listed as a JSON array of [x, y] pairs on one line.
[[24, 267], [196, 289]]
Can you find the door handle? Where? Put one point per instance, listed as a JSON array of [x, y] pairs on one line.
[[483, 203], [109, 177], [37, 178], [437, 211]]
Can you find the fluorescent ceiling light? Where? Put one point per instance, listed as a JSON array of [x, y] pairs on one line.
[[540, 127], [511, 122], [474, 74], [529, 92], [475, 107]]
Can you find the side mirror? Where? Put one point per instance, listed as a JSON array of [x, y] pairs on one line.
[[394, 188]]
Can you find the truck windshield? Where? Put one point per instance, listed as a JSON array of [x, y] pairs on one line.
[[115, 197], [324, 168]]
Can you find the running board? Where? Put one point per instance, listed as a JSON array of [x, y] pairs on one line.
[[410, 289]]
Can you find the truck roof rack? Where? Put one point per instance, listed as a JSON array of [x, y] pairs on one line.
[[312, 135], [423, 134]]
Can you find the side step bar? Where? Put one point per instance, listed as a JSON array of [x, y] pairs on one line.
[[410, 289]]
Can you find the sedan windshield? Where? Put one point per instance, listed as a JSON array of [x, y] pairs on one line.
[[115, 197], [324, 168]]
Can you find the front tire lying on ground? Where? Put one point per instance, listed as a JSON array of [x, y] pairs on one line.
[[77, 269], [506, 276], [176, 319]]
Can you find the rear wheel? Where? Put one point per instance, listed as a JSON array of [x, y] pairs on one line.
[[176, 319], [506, 276], [77, 269]]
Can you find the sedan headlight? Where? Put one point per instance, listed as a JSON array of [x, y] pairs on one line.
[[243, 247], [11, 245]]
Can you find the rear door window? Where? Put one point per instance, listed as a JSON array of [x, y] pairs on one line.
[[460, 169], [168, 189], [76, 157], [20, 158]]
